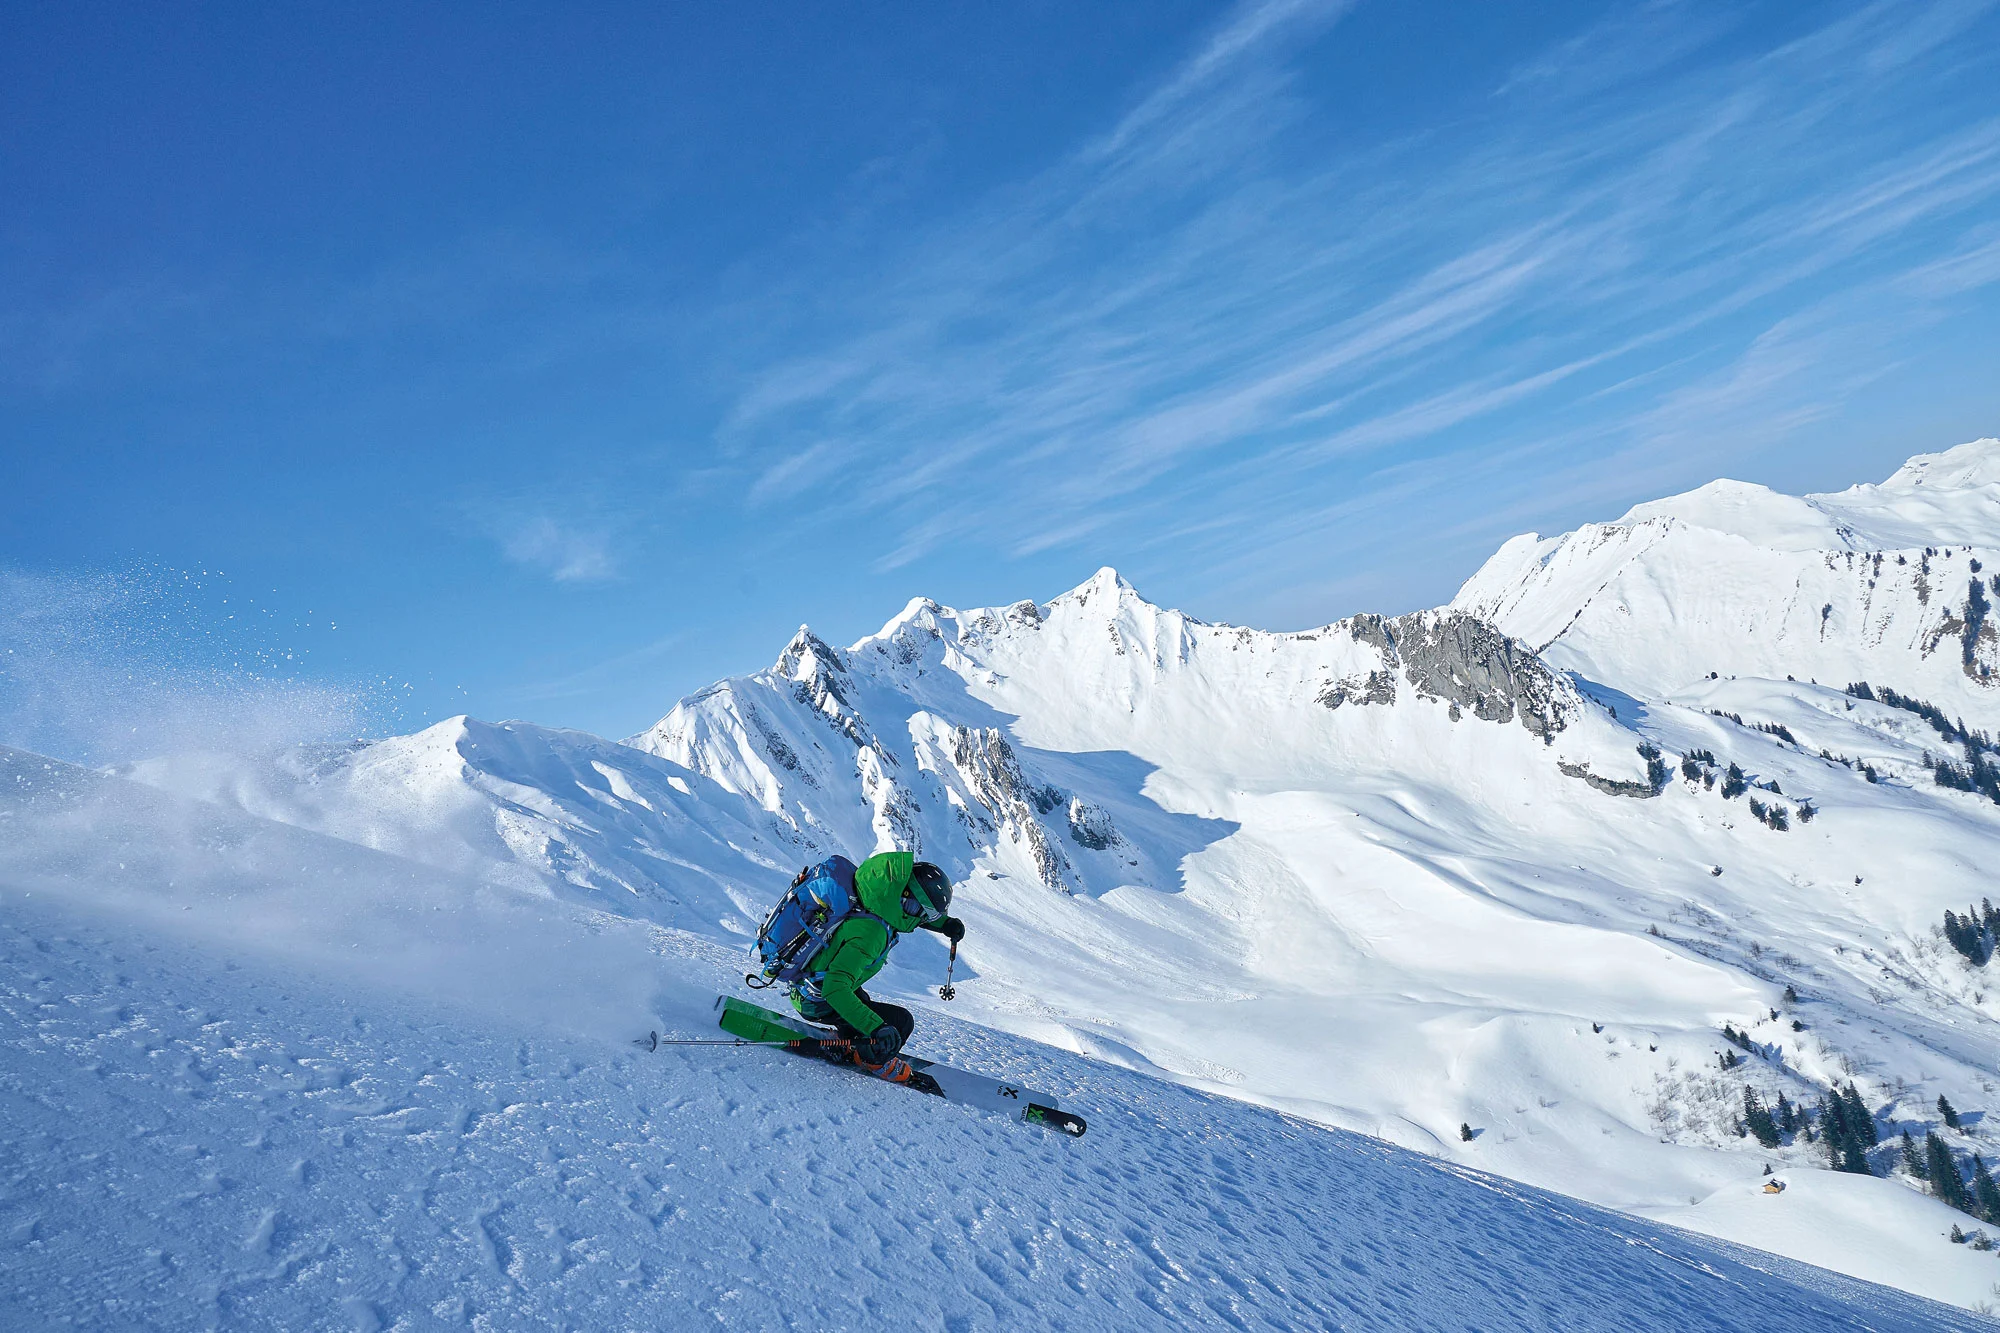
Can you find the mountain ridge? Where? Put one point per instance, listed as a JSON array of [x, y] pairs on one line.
[[1739, 580]]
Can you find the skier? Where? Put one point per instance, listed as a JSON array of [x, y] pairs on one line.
[[898, 894]]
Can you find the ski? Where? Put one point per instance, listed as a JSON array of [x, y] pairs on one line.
[[751, 1025]]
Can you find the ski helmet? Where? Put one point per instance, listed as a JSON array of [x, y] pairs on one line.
[[928, 898]]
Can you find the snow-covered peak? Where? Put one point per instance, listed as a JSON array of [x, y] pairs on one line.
[[1943, 499], [1106, 588], [1755, 513], [1104, 595], [1890, 582], [920, 613], [1968, 465]]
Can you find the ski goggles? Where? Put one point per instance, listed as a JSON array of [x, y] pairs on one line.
[[919, 906]]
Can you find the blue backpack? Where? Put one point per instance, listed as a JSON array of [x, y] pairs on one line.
[[821, 897]]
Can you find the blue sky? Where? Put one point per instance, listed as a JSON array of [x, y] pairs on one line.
[[566, 361]]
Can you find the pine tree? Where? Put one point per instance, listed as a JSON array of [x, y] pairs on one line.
[[1946, 1183], [1758, 1119], [1949, 1113], [1967, 934], [1465, 1131], [1846, 1149], [1791, 996], [1860, 1124], [1831, 1135], [1787, 1116], [1985, 1194], [1913, 1160], [1734, 783]]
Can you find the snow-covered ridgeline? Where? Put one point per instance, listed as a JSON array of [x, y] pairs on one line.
[[1891, 583]]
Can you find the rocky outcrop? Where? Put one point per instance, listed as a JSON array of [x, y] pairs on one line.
[[1373, 630], [1975, 631], [991, 772], [1090, 825], [820, 681], [1461, 660], [1609, 786], [1377, 687]]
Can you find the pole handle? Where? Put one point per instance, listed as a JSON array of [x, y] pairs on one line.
[[946, 991]]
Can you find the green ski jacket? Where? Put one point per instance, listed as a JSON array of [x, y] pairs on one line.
[[860, 946]]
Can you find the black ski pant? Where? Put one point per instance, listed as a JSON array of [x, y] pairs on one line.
[[895, 1015]]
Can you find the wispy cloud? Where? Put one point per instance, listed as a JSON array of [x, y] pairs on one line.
[[569, 547], [565, 554], [1202, 311]]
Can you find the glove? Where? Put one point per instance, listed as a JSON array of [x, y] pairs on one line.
[[950, 927], [878, 1046]]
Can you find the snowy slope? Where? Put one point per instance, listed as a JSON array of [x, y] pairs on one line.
[[1888, 583], [1393, 899], [1389, 875], [244, 1090]]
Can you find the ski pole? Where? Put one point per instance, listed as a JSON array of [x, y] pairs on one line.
[[946, 991], [653, 1041]]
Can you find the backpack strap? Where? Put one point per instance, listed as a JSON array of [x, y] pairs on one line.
[[809, 979]]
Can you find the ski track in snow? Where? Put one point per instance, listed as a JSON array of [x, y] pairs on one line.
[[200, 1142]]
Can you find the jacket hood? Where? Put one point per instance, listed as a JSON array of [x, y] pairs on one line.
[[879, 883]]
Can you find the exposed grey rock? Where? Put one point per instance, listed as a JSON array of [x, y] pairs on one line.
[[992, 772], [1974, 631], [1373, 630], [781, 754], [820, 681], [1462, 660], [806, 648], [1377, 687], [1465, 661], [1610, 786], [1090, 824]]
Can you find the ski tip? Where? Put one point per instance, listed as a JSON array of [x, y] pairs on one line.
[[1072, 1125], [651, 1041]]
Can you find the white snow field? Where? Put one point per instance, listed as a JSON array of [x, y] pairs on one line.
[[1391, 876], [254, 1077]]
